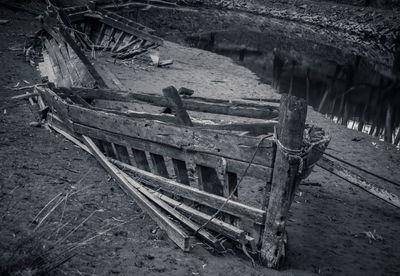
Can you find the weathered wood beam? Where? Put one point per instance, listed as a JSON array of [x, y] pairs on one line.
[[285, 179], [357, 180]]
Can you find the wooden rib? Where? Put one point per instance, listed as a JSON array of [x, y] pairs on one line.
[[174, 232], [118, 41], [126, 46], [100, 34], [232, 207], [159, 165]]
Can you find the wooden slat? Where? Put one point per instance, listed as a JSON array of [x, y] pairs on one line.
[[232, 207], [174, 232]]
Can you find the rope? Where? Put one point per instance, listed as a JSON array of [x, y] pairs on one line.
[[236, 187], [300, 154]]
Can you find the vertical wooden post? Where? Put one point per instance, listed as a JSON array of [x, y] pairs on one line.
[[175, 103], [290, 129]]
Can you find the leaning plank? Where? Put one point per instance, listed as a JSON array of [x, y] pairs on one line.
[[204, 159], [357, 180], [174, 232], [232, 207], [203, 234], [213, 224], [202, 105]]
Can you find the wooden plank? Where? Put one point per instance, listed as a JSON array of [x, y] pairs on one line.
[[129, 29], [119, 39], [59, 81], [203, 105], [223, 144], [357, 180], [175, 103], [214, 224], [63, 35], [290, 131], [232, 207], [256, 171], [193, 226], [173, 231], [65, 74]]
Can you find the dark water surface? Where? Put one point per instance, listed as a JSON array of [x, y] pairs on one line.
[[350, 89]]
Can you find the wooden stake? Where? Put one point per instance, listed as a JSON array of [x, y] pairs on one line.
[[285, 179], [175, 103]]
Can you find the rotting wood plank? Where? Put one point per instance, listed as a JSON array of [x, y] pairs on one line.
[[64, 36], [214, 224], [203, 105], [232, 207], [129, 29], [66, 75], [173, 231], [218, 143], [120, 37], [59, 80], [357, 180], [256, 171], [193, 226]]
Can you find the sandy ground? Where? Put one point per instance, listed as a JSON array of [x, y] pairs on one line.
[[326, 228]]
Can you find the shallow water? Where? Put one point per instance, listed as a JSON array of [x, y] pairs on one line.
[[350, 89]]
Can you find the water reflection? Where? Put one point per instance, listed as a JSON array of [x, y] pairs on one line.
[[350, 89]]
